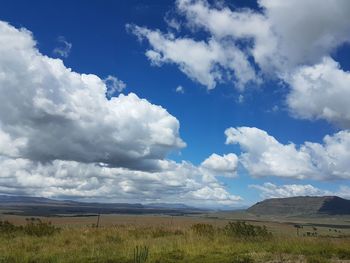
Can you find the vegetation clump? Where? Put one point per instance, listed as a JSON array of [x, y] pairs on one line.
[[241, 229], [36, 227], [33, 227], [7, 228]]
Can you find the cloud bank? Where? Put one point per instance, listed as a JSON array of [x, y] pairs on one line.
[[270, 190], [282, 41], [262, 155], [61, 135], [58, 114]]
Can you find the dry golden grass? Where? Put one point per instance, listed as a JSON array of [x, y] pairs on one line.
[[167, 239]]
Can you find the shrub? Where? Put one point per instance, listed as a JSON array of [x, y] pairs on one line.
[[343, 253], [35, 227], [244, 230], [8, 228]]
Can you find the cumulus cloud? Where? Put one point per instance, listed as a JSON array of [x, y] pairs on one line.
[[284, 34], [291, 43], [223, 24], [207, 62], [263, 155], [51, 113], [60, 136], [176, 182], [282, 40], [64, 47], [281, 37], [321, 91], [304, 37], [225, 165]]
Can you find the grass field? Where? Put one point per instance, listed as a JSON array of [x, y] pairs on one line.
[[171, 239]]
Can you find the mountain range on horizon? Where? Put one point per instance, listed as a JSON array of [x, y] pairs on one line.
[[291, 206], [41, 206]]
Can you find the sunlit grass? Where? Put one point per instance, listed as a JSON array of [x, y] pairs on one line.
[[200, 243]]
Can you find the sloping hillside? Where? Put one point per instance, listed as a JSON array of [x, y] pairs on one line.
[[302, 205]]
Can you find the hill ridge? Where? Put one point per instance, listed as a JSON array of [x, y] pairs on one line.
[[302, 205]]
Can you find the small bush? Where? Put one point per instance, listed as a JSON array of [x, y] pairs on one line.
[[343, 254], [35, 227], [8, 228], [244, 230], [203, 229]]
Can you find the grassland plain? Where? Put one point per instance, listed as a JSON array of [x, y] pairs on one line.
[[172, 239]]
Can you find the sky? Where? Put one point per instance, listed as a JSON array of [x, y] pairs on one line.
[[208, 103]]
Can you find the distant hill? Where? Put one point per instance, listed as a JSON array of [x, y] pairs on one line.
[[302, 205], [39, 206]]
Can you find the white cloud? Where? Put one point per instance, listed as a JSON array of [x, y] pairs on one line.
[[282, 40], [304, 37], [207, 62], [180, 89], [285, 34], [54, 113], [263, 155], [206, 194], [61, 137], [225, 165], [321, 91], [223, 24], [64, 47], [174, 182], [270, 190], [287, 38], [343, 191], [114, 85]]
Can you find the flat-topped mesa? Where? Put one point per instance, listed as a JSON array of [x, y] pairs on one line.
[[302, 205]]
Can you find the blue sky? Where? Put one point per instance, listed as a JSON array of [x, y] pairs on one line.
[[110, 38]]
